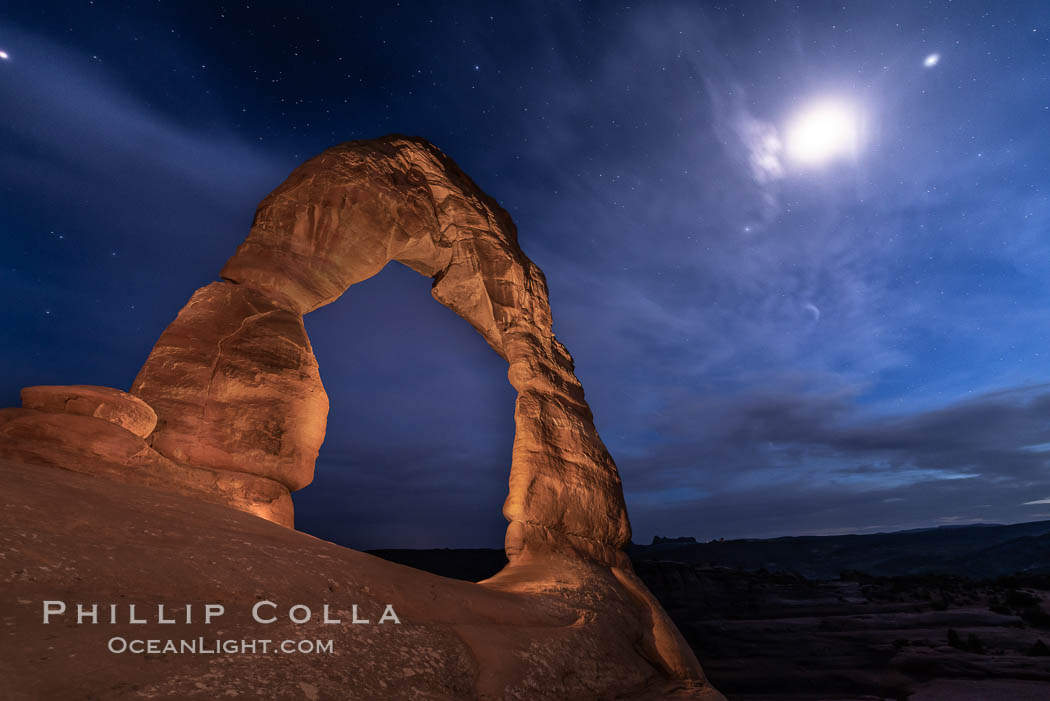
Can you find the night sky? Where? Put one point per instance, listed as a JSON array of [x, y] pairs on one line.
[[799, 251]]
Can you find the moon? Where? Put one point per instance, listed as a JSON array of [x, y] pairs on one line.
[[813, 310], [931, 60], [4, 55], [822, 132]]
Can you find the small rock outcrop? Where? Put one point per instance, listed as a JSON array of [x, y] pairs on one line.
[[119, 408], [99, 430]]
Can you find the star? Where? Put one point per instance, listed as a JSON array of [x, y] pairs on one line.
[[932, 60], [4, 55]]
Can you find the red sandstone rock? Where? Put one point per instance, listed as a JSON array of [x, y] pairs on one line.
[[337, 220], [241, 413], [11, 413], [112, 405], [93, 446], [74, 538], [235, 384]]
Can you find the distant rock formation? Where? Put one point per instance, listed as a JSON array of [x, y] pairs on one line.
[[680, 540], [240, 411]]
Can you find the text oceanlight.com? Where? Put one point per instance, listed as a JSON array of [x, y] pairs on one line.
[[200, 646]]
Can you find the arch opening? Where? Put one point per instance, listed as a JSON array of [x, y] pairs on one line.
[[420, 423]]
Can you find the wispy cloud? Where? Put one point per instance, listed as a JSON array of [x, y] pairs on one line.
[[914, 467]]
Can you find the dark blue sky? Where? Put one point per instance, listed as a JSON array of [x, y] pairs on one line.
[[770, 346]]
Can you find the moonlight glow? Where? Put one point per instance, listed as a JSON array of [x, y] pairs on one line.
[[932, 60], [4, 56], [822, 132]]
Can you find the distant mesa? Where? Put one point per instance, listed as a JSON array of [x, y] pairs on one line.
[[229, 409], [976, 551], [680, 540]]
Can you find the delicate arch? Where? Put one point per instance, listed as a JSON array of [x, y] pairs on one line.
[[235, 384]]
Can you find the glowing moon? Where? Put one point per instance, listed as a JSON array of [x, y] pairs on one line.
[[932, 60], [822, 132], [4, 55]]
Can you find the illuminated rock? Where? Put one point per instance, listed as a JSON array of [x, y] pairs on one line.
[[235, 385], [69, 538], [95, 446], [234, 381], [240, 415], [120, 408]]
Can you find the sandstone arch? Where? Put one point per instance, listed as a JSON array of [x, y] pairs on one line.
[[229, 408], [235, 384]]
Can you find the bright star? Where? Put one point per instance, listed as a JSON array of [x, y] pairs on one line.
[[932, 60], [4, 55], [822, 132]]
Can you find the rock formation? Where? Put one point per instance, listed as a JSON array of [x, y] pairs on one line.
[[235, 384], [241, 411], [236, 387], [120, 408], [77, 538], [99, 430]]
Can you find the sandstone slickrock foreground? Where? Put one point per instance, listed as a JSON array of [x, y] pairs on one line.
[[229, 411], [76, 538]]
